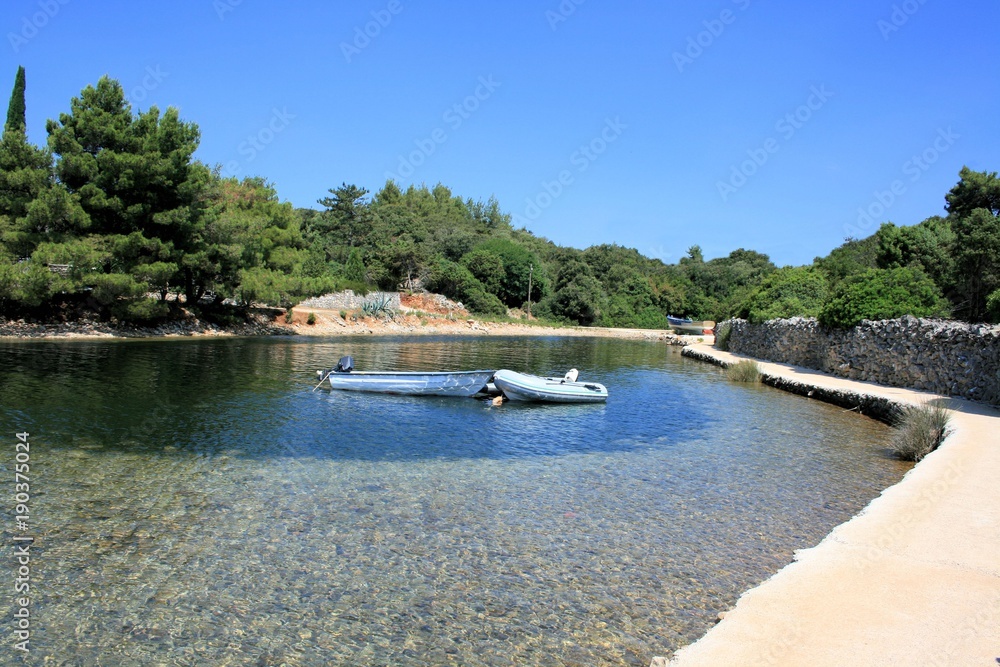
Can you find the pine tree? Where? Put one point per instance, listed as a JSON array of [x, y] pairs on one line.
[[16, 109]]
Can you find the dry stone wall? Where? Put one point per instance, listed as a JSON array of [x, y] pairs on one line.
[[944, 357], [348, 300]]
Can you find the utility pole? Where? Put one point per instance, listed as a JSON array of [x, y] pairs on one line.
[[531, 271]]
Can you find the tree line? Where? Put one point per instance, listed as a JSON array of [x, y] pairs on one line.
[[115, 215]]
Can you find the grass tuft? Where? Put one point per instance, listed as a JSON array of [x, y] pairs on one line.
[[744, 371], [919, 431]]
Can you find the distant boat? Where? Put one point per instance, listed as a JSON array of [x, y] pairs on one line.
[[411, 383], [684, 325], [522, 387]]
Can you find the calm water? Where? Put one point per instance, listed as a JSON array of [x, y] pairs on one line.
[[194, 503]]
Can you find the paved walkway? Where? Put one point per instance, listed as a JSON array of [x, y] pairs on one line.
[[912, 580]]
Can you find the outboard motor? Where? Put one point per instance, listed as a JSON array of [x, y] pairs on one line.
[[345, 365], [571, 375]]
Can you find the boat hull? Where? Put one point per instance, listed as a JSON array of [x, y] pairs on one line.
[[460, 383], [522, 387], [685, 326]]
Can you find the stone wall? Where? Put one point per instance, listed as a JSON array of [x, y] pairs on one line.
[[952, 358], [348, 300]]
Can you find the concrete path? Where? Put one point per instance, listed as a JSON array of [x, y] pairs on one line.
[[912, 580]]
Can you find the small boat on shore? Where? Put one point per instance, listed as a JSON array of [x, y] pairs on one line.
[[410, 383], [523, 387], [686, 326]]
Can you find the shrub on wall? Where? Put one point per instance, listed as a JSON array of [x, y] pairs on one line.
[[788, 292], [883, 294]]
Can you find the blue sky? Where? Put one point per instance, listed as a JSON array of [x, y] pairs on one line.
[[733, 123]]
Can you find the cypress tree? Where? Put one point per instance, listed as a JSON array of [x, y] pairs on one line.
[[16, 109]]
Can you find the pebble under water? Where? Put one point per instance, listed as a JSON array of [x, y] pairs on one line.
[[193, 502]]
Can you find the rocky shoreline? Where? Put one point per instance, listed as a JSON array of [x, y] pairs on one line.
[[325, 323], [257, 325]]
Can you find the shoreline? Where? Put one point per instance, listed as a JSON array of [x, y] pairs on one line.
[[327, 323], [912, 579]]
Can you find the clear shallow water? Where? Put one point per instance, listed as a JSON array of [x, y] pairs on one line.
[[194, 503]]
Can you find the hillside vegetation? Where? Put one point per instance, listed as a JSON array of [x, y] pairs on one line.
[[114, 216]]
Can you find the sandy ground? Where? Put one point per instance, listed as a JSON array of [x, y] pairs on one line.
[[330, 323], [912, 580], [271, 322]]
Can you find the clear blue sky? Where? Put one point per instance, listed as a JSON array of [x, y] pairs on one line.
[[289, 91]]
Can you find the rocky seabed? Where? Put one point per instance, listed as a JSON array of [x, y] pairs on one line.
[[939, 356]]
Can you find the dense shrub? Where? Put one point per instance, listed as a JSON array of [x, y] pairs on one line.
[[457, 282], [578, 301], [883, 294], [722, 334], [787, 292]]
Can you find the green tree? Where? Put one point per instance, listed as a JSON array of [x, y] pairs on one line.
[[348, 221], [135, 179], [975, 189], [355, 270], [928, 246], [456, 282], [520, 267], [581, 300], [788, 292], [977, 259], [16, 118], [974, 211], [487, 267], [854, 256], [883, 294]]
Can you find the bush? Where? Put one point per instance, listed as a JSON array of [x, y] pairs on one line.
[[487, 267], [993, 307], [746, 370], [787, 292], [516, 261], [311, 319], [143, 310], [722, 334], [482, 302], [581, 300], [919, 431], [883, 294], [457, 282]]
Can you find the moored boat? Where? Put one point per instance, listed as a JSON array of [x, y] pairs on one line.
[[686, 326], [523, 387], [412, 383]]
